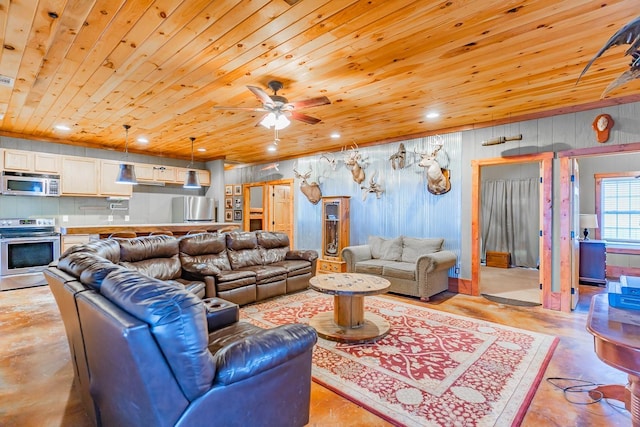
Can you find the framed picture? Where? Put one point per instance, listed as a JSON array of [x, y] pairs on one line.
[[237, 190], [228, 215], [237, 215], [228, 203], [228, 190], [238, 204]]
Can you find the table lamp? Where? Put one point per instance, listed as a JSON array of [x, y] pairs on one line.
[[588, 221]]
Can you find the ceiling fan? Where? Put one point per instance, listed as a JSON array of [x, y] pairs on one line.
[[279, 109]]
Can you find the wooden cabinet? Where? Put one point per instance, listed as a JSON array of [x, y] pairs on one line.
[[144, 172], [109, 170], [80, 176], [30, 161], [335, 234], [203, 176], [68, 241], [166, 174], [593, 262]]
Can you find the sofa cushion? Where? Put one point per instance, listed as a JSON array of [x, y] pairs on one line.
[[204, 253], [238, 240], [148, 247], [94, 275], [106, 248], [387, 249], [413, 248], [372, 266], [158, 268], [269, 256], [272, 239], [294, 266], [400, 270], [76, 262], [245, 258], [232, 279], [267, 273], [177, 321]]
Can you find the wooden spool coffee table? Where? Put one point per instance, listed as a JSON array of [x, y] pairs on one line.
[[348, 322]]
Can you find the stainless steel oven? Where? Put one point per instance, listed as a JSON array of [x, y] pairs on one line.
[[27, 245]]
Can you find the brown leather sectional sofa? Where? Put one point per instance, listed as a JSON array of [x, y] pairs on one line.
[[148, 351]]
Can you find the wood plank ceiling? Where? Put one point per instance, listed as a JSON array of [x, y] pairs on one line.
[[163, 66]]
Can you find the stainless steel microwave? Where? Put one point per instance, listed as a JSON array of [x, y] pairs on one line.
[[30, 184]]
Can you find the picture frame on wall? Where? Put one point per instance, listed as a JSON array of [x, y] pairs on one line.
[[238, 204], [228, 203], [237, 190], [237, 215], [228, 190], [228, 215]]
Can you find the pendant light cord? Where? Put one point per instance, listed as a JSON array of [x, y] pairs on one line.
[[191, 164]]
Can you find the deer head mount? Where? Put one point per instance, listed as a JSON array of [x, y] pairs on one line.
[[373, 187], [437, 178], [356, 163], [331, 159], [312, 191], [398, 158]]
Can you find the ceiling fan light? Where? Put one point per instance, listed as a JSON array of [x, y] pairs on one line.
[[192, 180], [282, 122], [268, 121], [126, 174]]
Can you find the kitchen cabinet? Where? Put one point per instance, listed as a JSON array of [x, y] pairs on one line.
[[593, 262], [80, 176], [203, 176], [108, 187], [166, 174], [30, 161], [335, 234], [67, 242]]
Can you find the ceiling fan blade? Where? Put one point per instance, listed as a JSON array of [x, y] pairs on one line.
[[261, 95], [313, 102], [238, 108], [304, 118]]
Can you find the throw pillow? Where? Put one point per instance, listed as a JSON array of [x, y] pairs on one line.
[[387, 249], [413, 248]]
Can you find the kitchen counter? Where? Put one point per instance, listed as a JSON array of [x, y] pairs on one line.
[[177, 229]]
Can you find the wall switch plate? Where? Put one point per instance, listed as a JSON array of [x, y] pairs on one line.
[[126, 218], [65, 218], [110, 218]]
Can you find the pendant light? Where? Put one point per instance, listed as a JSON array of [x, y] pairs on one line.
[[191, 178], [126, 174]]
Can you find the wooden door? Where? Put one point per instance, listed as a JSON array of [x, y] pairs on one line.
[[575, 233], [280, 209]]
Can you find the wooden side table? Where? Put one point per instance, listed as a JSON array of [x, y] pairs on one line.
[[616, 334], [348, 322]]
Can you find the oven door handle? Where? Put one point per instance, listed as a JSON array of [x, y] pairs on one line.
[[29, 239]]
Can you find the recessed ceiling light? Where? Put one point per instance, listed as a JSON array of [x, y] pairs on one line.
[[202, 150], [335, 135], [433, 115], [62, 127], [142, 140], [271, 148]]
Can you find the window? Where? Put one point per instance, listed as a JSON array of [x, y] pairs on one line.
[[619, 208]]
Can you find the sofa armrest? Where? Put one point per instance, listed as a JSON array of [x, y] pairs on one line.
[[353, 254], [436, 261], [306, 255], [200, 269], [262, 351]]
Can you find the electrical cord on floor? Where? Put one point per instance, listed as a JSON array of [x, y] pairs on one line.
[[583, 386]]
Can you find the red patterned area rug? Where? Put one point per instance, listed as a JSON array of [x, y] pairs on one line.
[[432, 369]]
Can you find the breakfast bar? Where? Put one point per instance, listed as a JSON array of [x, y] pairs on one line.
[[178, 229]]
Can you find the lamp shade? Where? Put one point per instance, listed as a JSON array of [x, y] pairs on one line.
[[126, 174], [588, 221], [277, 121], [191, 180]]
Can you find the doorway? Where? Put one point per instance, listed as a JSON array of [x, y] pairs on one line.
[[544, 162], [269, 206]]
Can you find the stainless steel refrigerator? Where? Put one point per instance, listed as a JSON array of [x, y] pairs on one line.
[[193, 209]]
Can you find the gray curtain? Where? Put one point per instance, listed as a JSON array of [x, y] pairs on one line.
[[510, 219]]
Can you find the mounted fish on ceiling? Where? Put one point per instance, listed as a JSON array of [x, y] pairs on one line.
[[629, 34]]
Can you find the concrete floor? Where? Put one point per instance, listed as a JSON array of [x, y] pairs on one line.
[[36, 375]]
